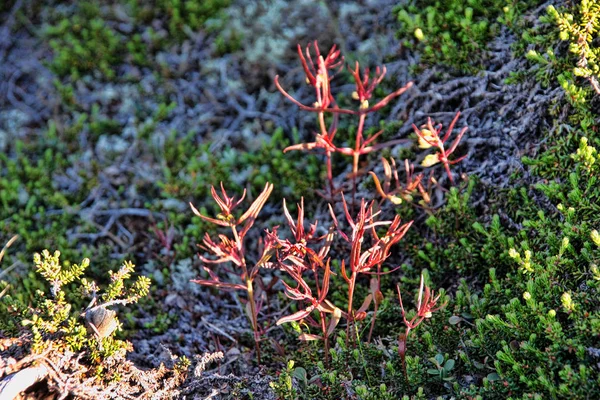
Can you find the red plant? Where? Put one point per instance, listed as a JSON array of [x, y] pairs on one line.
[[232, 249], [399, 193], [318, 76], [165, 238], [430, 137], [363, 261], [297, 259], [394, 234], [426, 306]]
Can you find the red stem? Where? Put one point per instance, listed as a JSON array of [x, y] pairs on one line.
[[350, 314], [356, 155], [330, 174], [325, 133], [250, 291], [323, 320]]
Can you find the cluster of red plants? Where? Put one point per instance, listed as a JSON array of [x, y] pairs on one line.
[[304, 255]]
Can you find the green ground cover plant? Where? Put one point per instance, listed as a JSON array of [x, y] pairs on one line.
[[455, 33], [577, 27], [84, 38], [184, 17]]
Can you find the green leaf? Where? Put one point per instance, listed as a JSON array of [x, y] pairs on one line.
[[439, 358], [300, 374], [493, 377]]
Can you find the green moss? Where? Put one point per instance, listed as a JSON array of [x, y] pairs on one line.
[[183, 17], [84, 39], [33, 204], [83, 42]]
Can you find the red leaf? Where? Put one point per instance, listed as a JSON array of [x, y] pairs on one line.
[[308, 337], [296, 316]]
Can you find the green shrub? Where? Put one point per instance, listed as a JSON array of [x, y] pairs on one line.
[[578, 27], [53, 319]]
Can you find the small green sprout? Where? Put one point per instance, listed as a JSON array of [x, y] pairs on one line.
[[442, 369]]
